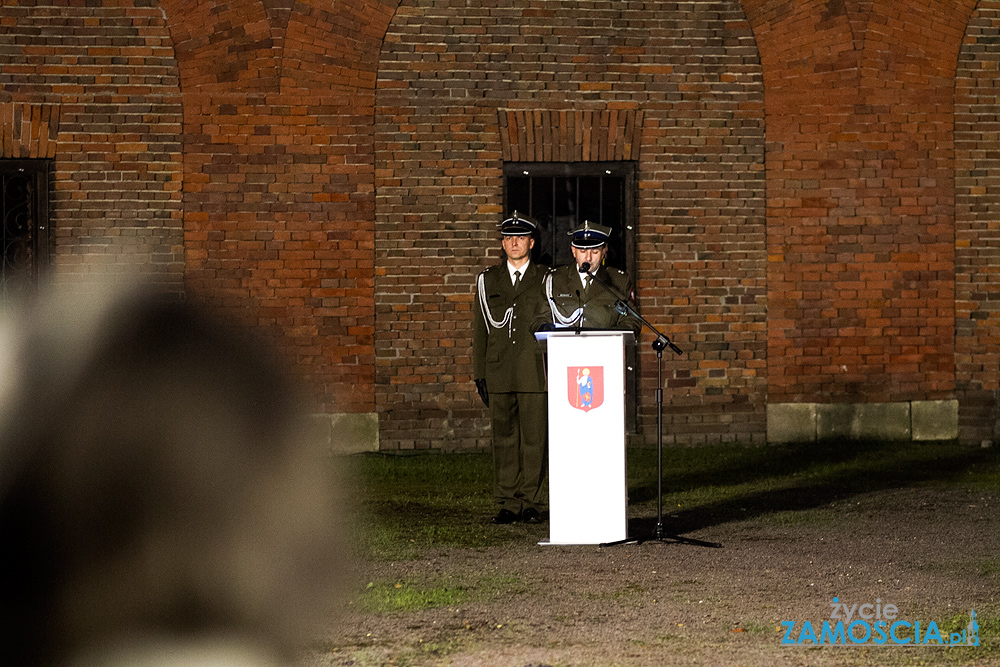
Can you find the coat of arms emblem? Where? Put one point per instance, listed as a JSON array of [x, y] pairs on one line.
[[585, 387]]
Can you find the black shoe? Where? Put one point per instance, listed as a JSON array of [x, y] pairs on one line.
[[504, 516], [531, 515]]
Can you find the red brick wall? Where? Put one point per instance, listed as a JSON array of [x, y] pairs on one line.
[[225, 148], [860, 175], [278, 198], [332, 171]]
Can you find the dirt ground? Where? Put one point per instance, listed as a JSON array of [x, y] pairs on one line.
[[932, 552]]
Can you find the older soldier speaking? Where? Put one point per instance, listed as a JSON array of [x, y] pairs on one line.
[[573, 299]]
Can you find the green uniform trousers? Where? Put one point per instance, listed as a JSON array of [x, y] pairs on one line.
[[520, 421]]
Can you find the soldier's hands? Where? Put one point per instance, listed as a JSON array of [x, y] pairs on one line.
[[483, 394]]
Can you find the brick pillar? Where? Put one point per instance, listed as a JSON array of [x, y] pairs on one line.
[[860, 182]]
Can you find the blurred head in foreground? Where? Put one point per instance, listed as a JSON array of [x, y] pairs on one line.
[[158, 495]]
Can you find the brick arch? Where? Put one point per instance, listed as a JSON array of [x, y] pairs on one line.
[[289, 46], [859, 173], [233, 45], [279, 176], [800, 43]]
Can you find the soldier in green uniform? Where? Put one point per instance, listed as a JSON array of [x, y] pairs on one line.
[[509, 373], [572, 297]]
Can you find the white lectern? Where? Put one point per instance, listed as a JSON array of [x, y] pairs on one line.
[[588, 493]]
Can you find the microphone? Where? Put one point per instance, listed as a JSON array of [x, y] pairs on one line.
[[585, 267]]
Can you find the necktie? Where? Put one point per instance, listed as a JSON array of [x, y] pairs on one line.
[[589, 280], [517, 279]]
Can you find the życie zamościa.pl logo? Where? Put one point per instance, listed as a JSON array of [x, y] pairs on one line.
[[877, 624]]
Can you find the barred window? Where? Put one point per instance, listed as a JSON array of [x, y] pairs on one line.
[[24, 232], [561, 195]]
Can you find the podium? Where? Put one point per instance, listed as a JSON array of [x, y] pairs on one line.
[[588, 492]]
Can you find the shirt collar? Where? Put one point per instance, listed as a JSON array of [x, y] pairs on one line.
[[511, 270]]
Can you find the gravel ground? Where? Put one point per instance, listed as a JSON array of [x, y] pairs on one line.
[[931, 552]]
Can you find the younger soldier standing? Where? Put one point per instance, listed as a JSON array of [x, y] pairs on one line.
[[509, 373]]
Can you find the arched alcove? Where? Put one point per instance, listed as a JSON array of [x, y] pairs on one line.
[[446, 70]]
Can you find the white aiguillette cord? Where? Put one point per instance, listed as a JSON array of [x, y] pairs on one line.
[[558, 317], [487, 315]]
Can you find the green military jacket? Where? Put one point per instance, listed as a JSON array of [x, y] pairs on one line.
[[566, 296], [505, 352]]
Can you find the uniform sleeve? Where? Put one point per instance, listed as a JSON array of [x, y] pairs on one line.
[[628, 321], [479, 335]]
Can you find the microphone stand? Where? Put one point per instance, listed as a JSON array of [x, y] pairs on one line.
[[583, 268], [579, 320], [661, 343]]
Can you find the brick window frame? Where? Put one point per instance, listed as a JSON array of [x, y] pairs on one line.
[[576, 144]]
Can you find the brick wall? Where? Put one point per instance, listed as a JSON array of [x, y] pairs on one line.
[[95, 88], [333, 173], [860, 200], [224, 148], [278, 197], [977, 230]]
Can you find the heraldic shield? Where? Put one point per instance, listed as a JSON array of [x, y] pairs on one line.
[[585, 386]]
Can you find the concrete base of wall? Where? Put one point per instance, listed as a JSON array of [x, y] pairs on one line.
[[910, 420], [346, 433]]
